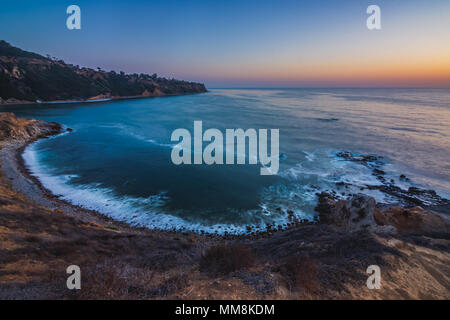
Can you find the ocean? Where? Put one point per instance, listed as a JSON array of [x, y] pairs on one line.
[[117, 159]]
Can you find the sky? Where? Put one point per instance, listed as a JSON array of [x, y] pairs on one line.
[[245, 43]]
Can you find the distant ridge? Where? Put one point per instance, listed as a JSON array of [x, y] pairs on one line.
[[29, 77]]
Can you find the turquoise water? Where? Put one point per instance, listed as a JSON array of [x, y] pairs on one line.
[[117, 159]]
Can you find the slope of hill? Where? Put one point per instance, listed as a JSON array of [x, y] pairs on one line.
[[28, 77]]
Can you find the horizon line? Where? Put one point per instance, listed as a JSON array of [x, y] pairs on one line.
[[328, 87]]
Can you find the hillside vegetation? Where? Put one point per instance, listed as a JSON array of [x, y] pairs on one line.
[[28, 77]]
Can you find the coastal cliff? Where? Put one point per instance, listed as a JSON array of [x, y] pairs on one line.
[[40, 235], [27, 77], [24, 130]]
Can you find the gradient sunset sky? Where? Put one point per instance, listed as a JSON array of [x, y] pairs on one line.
[[245, 43]]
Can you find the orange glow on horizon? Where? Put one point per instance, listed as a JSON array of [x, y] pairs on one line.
[[393, 72]]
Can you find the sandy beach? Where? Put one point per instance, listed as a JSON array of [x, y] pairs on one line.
[[41, 235]]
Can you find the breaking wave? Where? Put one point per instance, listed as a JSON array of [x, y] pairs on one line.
[[294, 197]]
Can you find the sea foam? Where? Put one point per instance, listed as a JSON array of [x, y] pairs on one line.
[[137, 211]]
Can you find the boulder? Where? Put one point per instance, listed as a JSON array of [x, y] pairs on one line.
[[353, 214], [360, 213], [415, 220]]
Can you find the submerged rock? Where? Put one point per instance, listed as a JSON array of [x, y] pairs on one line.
[[413, 196], [403, 177], [357, 157]]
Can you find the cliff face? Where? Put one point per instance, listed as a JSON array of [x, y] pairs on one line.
[[27, 76], [19, 129]]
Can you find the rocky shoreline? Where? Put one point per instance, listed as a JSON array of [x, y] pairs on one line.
[[413, 196], [40, 235]]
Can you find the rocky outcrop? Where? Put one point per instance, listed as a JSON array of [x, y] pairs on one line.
[[361, 213], [13, 128], [415, 221], [409, 197], [355, 214]]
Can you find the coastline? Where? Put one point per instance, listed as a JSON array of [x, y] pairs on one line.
[[94, 99], [24, 182], [42, 234], [21, 180]]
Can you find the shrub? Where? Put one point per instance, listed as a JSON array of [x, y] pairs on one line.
[[301, 274], [223, 259], [171, 285], [112, 280]]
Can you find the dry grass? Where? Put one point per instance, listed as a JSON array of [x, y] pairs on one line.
[[223, 259], [301, 274], [110, 280], [170, 286]]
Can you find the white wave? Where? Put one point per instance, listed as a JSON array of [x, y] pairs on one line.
[[310, 156], [166, 145], [137, 211], [324, 170], [294, 196], [128, 131]]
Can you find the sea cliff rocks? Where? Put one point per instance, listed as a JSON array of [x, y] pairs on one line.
[[13, 128], [415, 220], [361, 213], [354, 214]]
